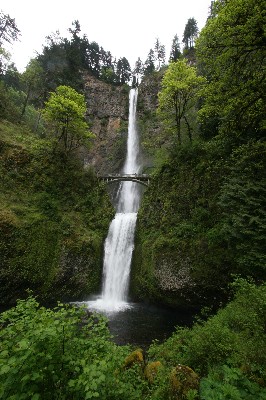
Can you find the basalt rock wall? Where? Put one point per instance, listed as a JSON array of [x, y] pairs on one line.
[[107, 114]]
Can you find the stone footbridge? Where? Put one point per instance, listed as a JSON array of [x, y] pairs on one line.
[[143, 179]]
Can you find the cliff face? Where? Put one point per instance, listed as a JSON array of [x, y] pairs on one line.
[[107, 113], [148, 124]]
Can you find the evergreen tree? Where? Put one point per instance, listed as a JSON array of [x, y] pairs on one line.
[[123, 70], [190, 33], [8, 33], [149, 65], [138, 70], [93, 58], [159, 53], [175, 52]]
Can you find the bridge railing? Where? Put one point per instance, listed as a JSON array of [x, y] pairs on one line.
[[139, 178]]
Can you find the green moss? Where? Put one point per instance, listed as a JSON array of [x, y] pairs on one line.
[[174, 262], [54, 220]]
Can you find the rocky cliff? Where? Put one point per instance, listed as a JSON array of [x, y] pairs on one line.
[[107, 113]]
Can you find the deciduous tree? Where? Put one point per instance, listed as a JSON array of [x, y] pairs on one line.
[[65, 112], [180, 86]]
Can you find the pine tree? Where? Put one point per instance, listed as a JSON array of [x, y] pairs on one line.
[[175, 52], [159, 53], [190, 33], [149, 65]]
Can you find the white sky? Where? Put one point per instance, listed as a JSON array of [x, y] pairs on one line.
[[125, 28]]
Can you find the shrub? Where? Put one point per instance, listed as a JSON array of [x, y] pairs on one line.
[[61, 353]]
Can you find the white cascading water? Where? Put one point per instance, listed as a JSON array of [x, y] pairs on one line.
[[119, 243]]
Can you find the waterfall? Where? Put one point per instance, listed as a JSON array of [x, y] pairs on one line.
[[119, 243]]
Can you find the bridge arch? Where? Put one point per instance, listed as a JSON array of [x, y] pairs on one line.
[[142, 179]]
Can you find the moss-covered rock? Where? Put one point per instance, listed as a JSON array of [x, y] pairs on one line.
[[174, 261], [134, 358], [53, 221], [151, 370], [183, 380]]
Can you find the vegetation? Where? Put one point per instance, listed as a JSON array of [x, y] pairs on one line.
[[226, 351], [201, 223], [175, 53], [203, 217], [9, 32], [53, 221], [65, 111], [180, 86], [65, 353], [61, 353]]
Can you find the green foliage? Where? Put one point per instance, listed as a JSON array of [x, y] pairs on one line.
[[231, 54], [54, 218], [203, 214], [149, 65], [228, 350], [175, 230], [175, 53], [65, 110], [66, 353], [9, 32], [33, 84], [10, 103], [230, 383], [61, 353], [243, 205], [190, 33], [180, 86]]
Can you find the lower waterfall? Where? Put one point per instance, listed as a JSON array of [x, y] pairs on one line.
[[119, 243]]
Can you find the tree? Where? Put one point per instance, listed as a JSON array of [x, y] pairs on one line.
[[54, 61], [231, 51], [175, 52], [149, 65], [93, 57], [180, 86], [138, 70], [123, 70], [159, 52], [65, 112], [190, 33], [8, 33], [32, 80]]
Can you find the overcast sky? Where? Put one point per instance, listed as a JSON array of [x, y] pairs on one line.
[[125, 28]]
